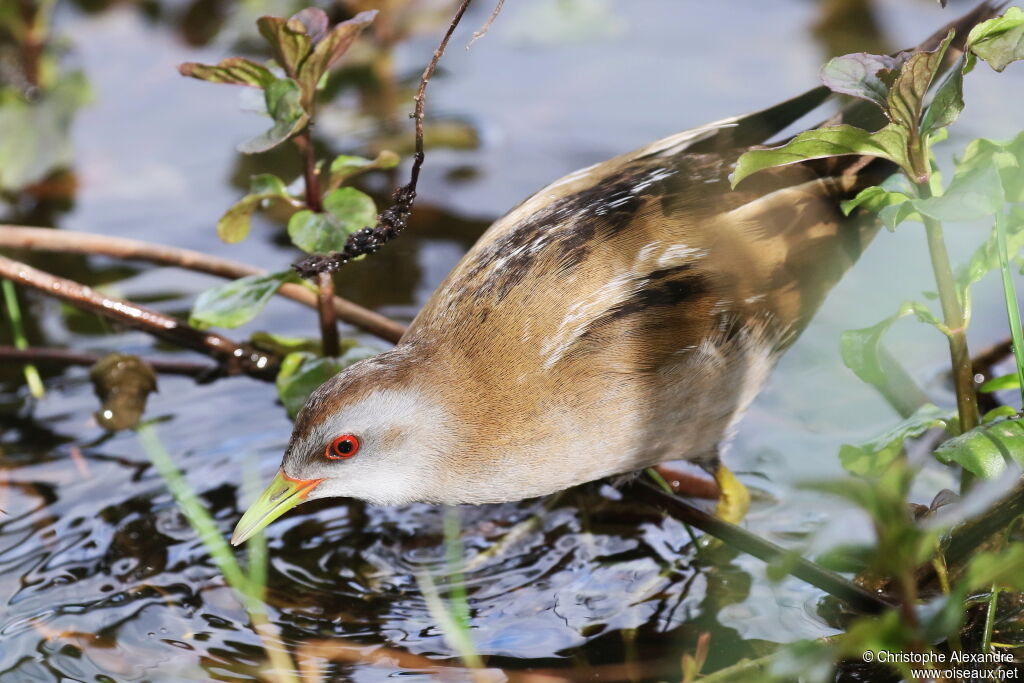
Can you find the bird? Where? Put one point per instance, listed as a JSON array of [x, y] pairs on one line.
[[624, 316]]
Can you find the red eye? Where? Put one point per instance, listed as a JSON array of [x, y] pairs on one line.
[[344, 446]]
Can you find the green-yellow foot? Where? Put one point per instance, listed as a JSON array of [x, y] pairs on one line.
[[734, 500]]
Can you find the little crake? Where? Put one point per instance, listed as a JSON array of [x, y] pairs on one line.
[[623, 316]]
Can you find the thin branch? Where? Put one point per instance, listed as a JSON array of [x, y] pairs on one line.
[[64, 358], [48, 239], [393, 220], [487, 25], [744, 541], [235, 358], [328, 321]]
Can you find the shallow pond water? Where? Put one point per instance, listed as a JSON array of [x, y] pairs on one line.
[[101, 578]]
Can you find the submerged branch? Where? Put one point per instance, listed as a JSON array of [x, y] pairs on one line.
[[48, 239], [235, 358], [64, 358], [744, 541]]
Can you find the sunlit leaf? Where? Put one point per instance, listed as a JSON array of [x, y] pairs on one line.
[[345, 166], [985, 449], [888, 143], [34, 135], [234, 70], [863, 75], [284, 106], [314, 22], [345, 211], [350, 209], [288, 41], [906, 96], [1000, 383], [948, 101], [974, 192], [999, 41], [869, 459], [986, 258], [1006, 157], [330, 49], [895, 215], [301, 373], [267, 184], [874, 199], [236, 222], [1004, 568], [237, 302]]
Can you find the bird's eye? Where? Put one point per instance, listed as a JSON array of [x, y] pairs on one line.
[[344, 446]]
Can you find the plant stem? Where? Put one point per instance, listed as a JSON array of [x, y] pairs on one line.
[[64, 358], [1010, 294], [32, 378], [956, 322], [990, 620], [304, 141], [328, 319]]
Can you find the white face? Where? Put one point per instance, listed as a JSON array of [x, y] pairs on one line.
[[399, 455]]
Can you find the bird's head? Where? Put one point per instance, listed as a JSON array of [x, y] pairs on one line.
[[368, 433]]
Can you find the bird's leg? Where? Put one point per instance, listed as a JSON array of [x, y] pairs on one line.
[[733, 497], [734, 502]]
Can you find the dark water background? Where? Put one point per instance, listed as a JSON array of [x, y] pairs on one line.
[[100, 576]]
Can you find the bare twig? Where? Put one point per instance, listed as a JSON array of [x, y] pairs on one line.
[[487, 24], [392, 220], [48, 239], [235, 358], [64, 357]]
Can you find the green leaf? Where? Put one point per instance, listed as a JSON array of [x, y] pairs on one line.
[[1006, 157], [350, 209], [1000, 383], [948, 101], [863, 75], [268, 185], [345, 166], [1004, 568], [234, 70], [999, 41], [34, 136], [288, 41], [998, 412], [239, 301], [985, 449], [906, 97], [283, 100], [896, 214], [871, 458], [886, 203], [236, 222], [329, 50], [301, 373], [860, 349], [986, 259], [888, 143], [847, 558], [974, 192], [346, 210]]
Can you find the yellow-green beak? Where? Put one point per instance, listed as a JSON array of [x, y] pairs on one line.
[[282, 495]]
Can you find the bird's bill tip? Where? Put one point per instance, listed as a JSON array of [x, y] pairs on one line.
[[283, 494]]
